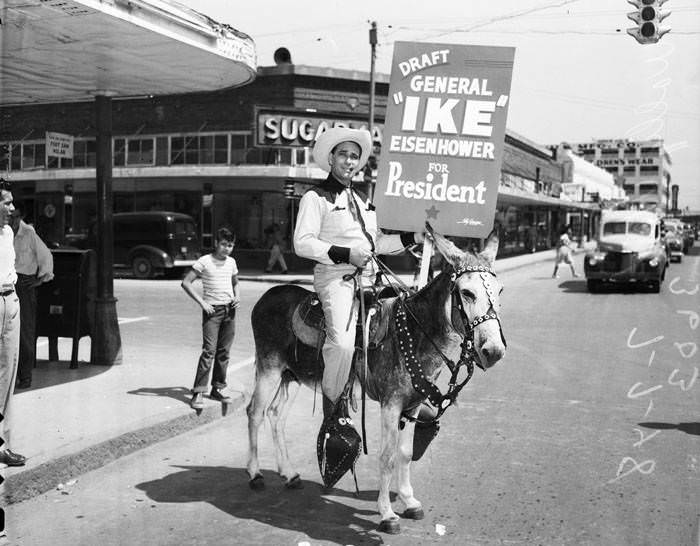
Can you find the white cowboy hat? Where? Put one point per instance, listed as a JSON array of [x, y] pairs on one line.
[[330, 138]]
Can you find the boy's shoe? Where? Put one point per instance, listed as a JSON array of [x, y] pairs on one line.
[[197, 402], [12, 459], [216, 394]]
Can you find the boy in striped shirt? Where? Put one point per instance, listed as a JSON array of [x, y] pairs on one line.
[[220, 297]]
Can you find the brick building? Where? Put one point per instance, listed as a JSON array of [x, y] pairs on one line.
[[225, 158]]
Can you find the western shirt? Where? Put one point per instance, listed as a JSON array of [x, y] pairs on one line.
[[326, 228]]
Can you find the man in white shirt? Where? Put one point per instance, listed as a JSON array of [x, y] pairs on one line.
[[9, 325], [34, 266], [337, 228]]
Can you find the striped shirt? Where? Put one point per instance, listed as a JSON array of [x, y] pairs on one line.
[[216, 278]]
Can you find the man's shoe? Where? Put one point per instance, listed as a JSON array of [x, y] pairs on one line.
[[197, 402], [24, 384], [12, 459], [216, 394]]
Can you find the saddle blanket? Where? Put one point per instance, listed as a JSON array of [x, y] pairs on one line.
[[309, 324]]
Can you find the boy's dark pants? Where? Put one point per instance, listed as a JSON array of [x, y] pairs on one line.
[[218, 330]]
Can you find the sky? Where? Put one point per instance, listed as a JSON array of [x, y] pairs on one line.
[[578, 76]]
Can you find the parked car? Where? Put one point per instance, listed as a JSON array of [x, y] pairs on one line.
[[150, 243], [673, 236], [630, 249]]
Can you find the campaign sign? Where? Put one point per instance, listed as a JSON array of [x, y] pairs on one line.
[[59, 145], [443, 137]]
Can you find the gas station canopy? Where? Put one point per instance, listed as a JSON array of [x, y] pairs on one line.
[[72, 50]]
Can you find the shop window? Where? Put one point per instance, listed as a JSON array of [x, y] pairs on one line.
[[629, 188], [284, 156], [177, 150], [300, 157], [5, 156], [161, 150], [119, 153], [33, 155], [213, 149], [612, 170], [650, 150], [15, 157], [238, 149], [649, 169], [139, 151], [629, 170], [610, 152], [648, 189], [84, 153]]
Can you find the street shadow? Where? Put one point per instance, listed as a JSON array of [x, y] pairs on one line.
[[181, 394], [308, 510], [574, 286], [49, 373], [688, 428]]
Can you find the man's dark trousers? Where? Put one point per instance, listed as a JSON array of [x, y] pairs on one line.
[[27, 326]]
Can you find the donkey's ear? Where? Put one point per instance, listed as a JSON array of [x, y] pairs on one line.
[[490, 248], [445, 247]]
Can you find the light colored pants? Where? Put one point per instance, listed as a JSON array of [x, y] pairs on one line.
[[276, 256], [9, 350], [340, 311]]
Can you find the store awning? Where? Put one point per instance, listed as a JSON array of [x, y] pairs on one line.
[[72, 50]]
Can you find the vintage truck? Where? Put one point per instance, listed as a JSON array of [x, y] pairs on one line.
[[630, 249]]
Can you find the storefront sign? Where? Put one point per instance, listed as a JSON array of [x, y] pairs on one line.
[[288, 130], [444, 137], [626, 161], [59, 145]]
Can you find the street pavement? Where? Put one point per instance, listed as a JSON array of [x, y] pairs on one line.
[[73, 421], [585, 434]]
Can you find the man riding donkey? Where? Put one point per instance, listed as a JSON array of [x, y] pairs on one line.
[[337, 228]]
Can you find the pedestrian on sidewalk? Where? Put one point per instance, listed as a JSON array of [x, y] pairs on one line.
[[9, 326], [275, 242], [220, 298], [565, 250], [34, 266]]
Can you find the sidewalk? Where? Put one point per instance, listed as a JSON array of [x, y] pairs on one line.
[[73, 421]]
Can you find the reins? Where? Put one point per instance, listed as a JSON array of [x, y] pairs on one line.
[[468, 355]]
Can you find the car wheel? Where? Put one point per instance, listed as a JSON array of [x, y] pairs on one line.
[[593, 285], [142, 267]]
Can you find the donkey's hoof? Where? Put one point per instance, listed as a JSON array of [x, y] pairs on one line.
[[413, 513], [390, 526], [294, 482], [257, 483]]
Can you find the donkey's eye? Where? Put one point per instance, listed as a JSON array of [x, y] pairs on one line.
[[468, 294]]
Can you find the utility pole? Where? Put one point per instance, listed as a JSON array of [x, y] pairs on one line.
[[373, 45]]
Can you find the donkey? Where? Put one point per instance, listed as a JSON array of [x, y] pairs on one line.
[[455, 317]]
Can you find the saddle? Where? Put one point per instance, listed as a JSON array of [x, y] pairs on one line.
[[309, 324]]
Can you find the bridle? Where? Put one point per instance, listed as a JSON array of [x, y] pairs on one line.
[[468, 356]]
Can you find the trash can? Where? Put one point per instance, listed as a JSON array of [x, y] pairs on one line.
[[66, 305]]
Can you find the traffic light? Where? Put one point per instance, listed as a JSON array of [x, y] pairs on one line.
[[648, 18]]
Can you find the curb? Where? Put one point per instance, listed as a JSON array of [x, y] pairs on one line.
[[45, 477]]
